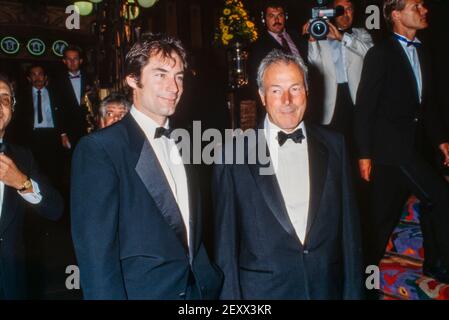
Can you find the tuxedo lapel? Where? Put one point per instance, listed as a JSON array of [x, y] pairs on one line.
[[424, 64], [71, 90], [83, 85], [195, 209], [151, 174], [318, 166], [406, 63], [269, 188]]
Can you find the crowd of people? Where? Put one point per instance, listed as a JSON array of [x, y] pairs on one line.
[[351, 129]]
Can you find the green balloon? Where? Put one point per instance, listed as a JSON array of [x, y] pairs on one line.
[[146, 3], [84, 8]]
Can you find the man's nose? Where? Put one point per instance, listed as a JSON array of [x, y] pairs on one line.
[[286, 98], [172, 85]]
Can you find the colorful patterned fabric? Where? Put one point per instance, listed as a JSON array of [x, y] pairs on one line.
[[411, 211], [407, 240], [402, 279], [401, 268]]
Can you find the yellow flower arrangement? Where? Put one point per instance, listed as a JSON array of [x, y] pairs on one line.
[[235, 24]]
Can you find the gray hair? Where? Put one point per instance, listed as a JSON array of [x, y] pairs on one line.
[[113, 98], [276, 56], [390, 6]]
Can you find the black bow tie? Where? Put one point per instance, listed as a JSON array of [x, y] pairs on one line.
[[296, 136], [161, 131], [75, 77]]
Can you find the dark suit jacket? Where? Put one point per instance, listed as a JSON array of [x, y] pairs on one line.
[[23, 120], [256, 245], [73, 115], [388, 112], [264, 45], [12, 267], [126, 226]]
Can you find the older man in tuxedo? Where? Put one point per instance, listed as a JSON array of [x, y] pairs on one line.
[[291, 232], [22, 187]]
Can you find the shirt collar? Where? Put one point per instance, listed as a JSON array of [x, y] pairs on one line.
[[36, 89], [147, 124], [271, 130], [415, 39], [276, 35], [75, 74]]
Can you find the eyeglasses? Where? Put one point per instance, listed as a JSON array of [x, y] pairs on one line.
[[7, 100]]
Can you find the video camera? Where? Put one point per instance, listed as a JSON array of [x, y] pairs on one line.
[[318, 27]]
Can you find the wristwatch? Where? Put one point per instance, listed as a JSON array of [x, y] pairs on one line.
[[26, 185]]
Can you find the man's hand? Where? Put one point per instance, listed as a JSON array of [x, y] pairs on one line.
[[10, 175], [365, 169], [334, 33], [444, 147], [65, 141], [305, 30]]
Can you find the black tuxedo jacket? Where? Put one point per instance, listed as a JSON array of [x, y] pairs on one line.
[[73, 115], [389, 115], [12, 258], [256, 245], [127, 229]]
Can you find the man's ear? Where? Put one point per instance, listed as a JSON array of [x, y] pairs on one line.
[[81, 61], [262, 97], [131, 81], [395, 14]]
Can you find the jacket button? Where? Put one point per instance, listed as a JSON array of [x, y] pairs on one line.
[[306, 251], [1, 239], [182, 294], [416, 119]]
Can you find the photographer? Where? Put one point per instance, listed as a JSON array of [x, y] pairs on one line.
[[338, 60]]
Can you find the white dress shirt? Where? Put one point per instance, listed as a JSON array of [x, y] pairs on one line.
[[338, 57], [33, 197], [76, 85], [47, 116], [412, 55], [291, 166], [171, 162]]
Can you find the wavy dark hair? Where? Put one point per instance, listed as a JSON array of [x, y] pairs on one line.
[[150, 45]]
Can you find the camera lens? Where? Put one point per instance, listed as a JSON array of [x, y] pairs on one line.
[[318, 29]]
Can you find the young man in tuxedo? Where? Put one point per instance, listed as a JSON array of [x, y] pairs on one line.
[[22, 187], [292, 233], [395, 114], [73, 85], [136, 211]]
